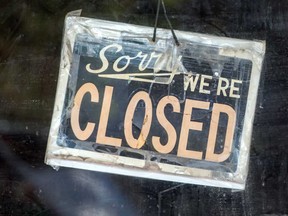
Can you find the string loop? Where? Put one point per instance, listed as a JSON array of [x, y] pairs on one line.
[[168, 21]]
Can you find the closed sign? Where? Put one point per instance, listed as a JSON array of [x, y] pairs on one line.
[[127, 105]]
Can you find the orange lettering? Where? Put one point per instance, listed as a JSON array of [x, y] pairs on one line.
[[101, 133], [128, 131], [78, 132], [217, 109], [172, 135], [187, 124]]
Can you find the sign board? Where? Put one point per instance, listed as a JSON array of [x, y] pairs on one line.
[[130, 106]]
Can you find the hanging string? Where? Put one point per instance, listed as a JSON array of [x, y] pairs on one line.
[[170, 25], [167, 19], [156, 22]]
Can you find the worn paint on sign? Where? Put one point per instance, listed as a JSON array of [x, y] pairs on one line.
[[163, 108]]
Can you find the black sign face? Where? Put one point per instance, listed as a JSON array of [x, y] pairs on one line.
[[133, 99]]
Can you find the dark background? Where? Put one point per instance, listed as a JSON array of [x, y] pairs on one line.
[[30, 44]]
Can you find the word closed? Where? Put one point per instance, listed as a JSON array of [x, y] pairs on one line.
[[187, 124]]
